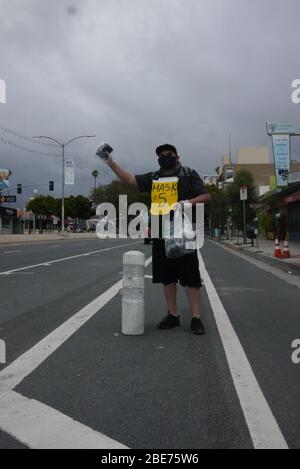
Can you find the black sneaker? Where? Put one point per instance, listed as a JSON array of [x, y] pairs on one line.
[[197, 327], [169, 322]]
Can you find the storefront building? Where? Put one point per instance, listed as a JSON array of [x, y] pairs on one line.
[[284, 207], [9, 221]]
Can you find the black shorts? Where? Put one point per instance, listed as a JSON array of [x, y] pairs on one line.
[[184, 270]]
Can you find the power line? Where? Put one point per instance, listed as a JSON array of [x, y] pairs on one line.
[[27, 149], [23, 137]]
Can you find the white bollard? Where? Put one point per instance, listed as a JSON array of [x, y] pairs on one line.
[[133, 303]]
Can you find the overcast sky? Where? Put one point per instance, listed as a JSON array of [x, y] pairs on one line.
[[139, 73]]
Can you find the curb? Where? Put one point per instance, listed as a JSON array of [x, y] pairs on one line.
[[289, 268]]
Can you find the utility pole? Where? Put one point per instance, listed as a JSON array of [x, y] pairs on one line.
[[63, 146], [244, 197], [34, 215]]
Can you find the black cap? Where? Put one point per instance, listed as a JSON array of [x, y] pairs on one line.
[[164, 147]]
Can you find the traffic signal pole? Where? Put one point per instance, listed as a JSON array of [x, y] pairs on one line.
[[24, 187]]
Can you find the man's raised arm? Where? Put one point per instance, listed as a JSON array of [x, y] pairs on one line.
[[123, 175]]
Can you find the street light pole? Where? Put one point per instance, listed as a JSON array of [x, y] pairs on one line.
[[63, 191], [63, 146], [95, 174], [34, 215]]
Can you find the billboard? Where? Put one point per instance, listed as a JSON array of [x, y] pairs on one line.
[[4, 178], [282, 159]]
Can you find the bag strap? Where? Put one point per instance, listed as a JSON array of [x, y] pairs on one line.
[[188, 173], [155, 175]]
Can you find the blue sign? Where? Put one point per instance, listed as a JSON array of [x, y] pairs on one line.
[[282, 159]]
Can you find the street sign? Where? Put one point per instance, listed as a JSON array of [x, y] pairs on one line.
[[274, 128], [8, 199], [244, 193]]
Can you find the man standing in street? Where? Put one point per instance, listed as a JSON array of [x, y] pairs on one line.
[[190, 190]]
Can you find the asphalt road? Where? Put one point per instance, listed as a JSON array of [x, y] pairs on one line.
[[166, 389]]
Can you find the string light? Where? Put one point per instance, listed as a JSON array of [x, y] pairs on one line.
[[27, 149], [23, 137]]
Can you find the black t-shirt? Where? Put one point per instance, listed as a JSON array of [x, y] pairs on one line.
[[190, 184]]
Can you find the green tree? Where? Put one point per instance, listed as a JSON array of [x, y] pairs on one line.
[[267, 223], [42, 205], [75, 207], [216, 212], [111, 192]]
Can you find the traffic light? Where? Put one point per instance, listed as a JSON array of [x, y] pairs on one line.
[[19, 188], [51, 186]]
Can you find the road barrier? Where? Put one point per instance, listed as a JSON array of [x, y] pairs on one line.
[[133, 302], [277, 252], [286, 250]]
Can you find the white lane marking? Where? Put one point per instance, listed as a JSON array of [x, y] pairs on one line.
[[264, 430], [48, 263], [21, 273], [149, 277], [11, 252], [14, 373], [38, 426], [35, 424]]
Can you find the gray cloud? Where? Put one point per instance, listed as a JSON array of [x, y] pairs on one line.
[[141, 72]]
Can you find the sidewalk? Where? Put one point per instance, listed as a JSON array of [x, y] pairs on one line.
[[13, 239], [265, 252]]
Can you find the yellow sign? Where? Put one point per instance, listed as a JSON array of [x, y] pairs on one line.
[[164, 196]]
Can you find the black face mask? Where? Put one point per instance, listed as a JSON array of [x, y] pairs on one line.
[[167, 162]]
